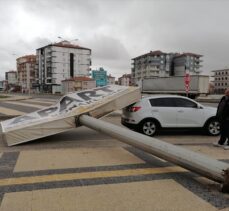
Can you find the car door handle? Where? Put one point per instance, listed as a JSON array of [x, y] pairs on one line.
[[155, 110], [180, 111]]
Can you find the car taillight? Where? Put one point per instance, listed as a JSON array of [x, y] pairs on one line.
[[134, 108]]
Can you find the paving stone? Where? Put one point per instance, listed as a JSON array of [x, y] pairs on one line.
[[127, 196]]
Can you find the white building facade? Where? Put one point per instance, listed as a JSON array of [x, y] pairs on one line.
[[187, 63], [221, 80], [110, 80], [161, 64], [59, 61], [125, 80], [11, 77]]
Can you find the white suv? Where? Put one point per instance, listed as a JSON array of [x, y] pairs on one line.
[[169, 111]]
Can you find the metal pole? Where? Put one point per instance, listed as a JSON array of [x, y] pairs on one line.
[[198, 163]]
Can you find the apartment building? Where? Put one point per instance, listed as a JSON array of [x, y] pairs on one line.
[[125, 80], [152, 64], [11, 77], [59, 61], [221, 80], [77, 84], [161, 64], [187, 62], [26, 73], [3, 85], [110, 80]]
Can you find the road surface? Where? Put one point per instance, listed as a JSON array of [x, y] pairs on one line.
[[84, 170]]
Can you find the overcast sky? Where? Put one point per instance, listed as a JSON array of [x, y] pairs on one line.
[[116, 30]]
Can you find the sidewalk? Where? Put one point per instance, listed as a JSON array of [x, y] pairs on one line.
[[209, 98], [14, 97]]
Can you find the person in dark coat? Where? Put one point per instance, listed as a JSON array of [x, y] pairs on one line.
[[223, 115]]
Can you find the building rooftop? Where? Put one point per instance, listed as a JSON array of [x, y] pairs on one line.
[[151, 53], [83, 78], [70, 79], [125, 76], [220, 70], [11, 71], [188, 54], [26, 58], [66, 44], [110, 76], [158, 53]]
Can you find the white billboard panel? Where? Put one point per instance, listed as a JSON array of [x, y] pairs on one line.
[[60, 117]]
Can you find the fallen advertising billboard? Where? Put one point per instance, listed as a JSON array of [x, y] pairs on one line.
[[62, 116]]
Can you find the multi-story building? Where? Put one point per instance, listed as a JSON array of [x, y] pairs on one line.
[[3, 85], [100, 76], [125, 80], [221, 80], [59, 61], [77, 83], [187, 62], [110, 80], [26, 72], [160, 64], [11, 77], [151, 64]]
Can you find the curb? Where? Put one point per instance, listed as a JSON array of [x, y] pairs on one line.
[[116, 113], [208, 100]]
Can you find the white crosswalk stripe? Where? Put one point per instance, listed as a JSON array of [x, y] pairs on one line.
[[47, 102], [8, 111], [25, 104], [33, 103]]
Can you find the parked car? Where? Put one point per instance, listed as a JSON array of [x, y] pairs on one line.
[[169, 111]]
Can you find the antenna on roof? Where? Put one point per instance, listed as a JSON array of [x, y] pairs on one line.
[[66, 40]]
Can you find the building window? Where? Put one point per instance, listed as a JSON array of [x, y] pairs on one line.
[[71, 65]]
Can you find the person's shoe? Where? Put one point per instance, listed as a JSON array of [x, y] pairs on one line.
[[226, 147], [216, 144]]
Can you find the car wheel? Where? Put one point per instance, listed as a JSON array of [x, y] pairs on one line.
[[213, 127], [149, 127]]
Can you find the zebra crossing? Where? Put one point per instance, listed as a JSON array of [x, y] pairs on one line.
[[24, 106]]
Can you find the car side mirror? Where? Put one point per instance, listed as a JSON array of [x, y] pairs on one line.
[[199, 106]]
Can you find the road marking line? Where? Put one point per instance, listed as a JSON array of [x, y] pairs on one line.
[[9, 111], [25, 104], [88, 175], [45, 101]]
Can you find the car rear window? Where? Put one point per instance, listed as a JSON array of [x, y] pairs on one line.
[[172, 102], [162, 102], [180, 102]]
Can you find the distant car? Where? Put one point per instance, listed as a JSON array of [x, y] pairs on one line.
[[169, 111]]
